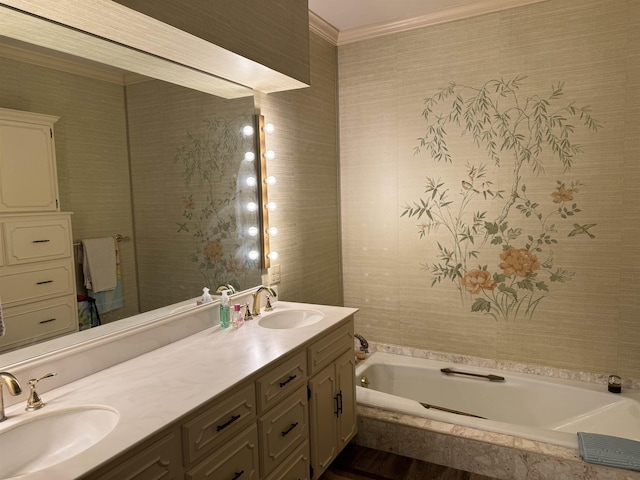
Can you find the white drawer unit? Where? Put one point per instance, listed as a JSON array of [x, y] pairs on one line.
[[28, 283], [37, 321], [43, 238], [37, 278]]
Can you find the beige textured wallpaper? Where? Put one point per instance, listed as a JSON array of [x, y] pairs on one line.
[[307, 192], [489, 203]]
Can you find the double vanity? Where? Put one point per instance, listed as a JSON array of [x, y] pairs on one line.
[[274, 399]]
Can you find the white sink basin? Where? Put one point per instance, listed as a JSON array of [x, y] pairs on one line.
[[291, 319], [50, 438]]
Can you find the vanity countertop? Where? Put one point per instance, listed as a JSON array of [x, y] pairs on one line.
[[157, 388]]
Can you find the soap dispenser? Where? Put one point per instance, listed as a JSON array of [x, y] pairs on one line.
[[224, 310], [206, 296]]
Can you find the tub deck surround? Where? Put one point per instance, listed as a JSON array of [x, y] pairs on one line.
[[479, 451], [159, 387]]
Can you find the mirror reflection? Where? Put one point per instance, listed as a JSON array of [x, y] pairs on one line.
[[162, 165]]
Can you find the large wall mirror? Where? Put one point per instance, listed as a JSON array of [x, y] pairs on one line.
[[160, 164]]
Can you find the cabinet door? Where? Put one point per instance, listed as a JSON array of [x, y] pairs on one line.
[[346, 379], [323, 408], [157, 460], [28, 180]]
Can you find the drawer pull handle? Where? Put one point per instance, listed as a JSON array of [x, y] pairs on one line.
[[238, 475], [44, 281], [288, 430], [225, 425], [291, 378], [47, 321], [41, 241]]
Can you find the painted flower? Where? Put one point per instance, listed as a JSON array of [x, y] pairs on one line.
[[562, 194], [477, 280], [235, 266], [519, 261], [213, 250], [189, 204]]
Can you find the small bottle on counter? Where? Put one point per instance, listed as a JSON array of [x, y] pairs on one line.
[[206, 296], [237, 319], [224, 310]]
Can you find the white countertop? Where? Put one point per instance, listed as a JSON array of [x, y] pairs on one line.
[[155, 389]]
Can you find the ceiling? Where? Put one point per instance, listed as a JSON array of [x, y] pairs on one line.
[[348, 21]]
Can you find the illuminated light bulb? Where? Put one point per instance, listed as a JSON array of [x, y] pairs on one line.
[[270, 155], [272, 255], [247, 130], [271, 206], [273, 231], [270, 180], [269, 128], [251, 181], [250, 156], [252, 206], [254, 255], [253, 231]]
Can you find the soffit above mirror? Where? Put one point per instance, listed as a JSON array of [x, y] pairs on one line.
[[148, 44]]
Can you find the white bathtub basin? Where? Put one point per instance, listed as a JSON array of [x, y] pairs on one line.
[[46, 439], [291, 319], [528, 406]]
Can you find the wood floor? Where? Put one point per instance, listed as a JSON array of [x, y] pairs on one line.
[[360, 463]]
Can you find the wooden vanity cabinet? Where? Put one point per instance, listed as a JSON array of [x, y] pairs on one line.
[[332, 412], [158, 458], [287, 423]]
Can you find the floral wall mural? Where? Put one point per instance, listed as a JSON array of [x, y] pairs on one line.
[[215, 173], [516, 132]]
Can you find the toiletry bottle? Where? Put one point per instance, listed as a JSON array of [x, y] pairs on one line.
[[237, 319], [206, 296], [224, 310]]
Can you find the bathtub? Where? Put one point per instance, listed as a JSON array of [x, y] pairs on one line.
[[537, 408]]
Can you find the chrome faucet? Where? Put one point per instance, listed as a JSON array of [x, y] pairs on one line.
[[256, 299], [363, 343], [14, 389]]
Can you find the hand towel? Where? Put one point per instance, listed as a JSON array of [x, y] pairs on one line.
[[110, 299], [99, 263], [610, 451]]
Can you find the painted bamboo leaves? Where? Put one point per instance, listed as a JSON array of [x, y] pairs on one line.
[[210, 163], [517, 133]]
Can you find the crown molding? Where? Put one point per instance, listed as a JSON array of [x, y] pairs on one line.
[[469, 10], [322, 28]]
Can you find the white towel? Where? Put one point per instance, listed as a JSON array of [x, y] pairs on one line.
[[99, 264]]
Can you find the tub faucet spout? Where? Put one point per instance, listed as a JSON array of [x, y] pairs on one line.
[[12, 385], [363, 343]]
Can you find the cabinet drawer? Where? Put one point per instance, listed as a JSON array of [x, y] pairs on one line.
[[219, 423], [37, 240], [36, 282], [236, 460], [325, 350], [159, 460], [283, 429], [296, 467], [280, 381], [38, 321]]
